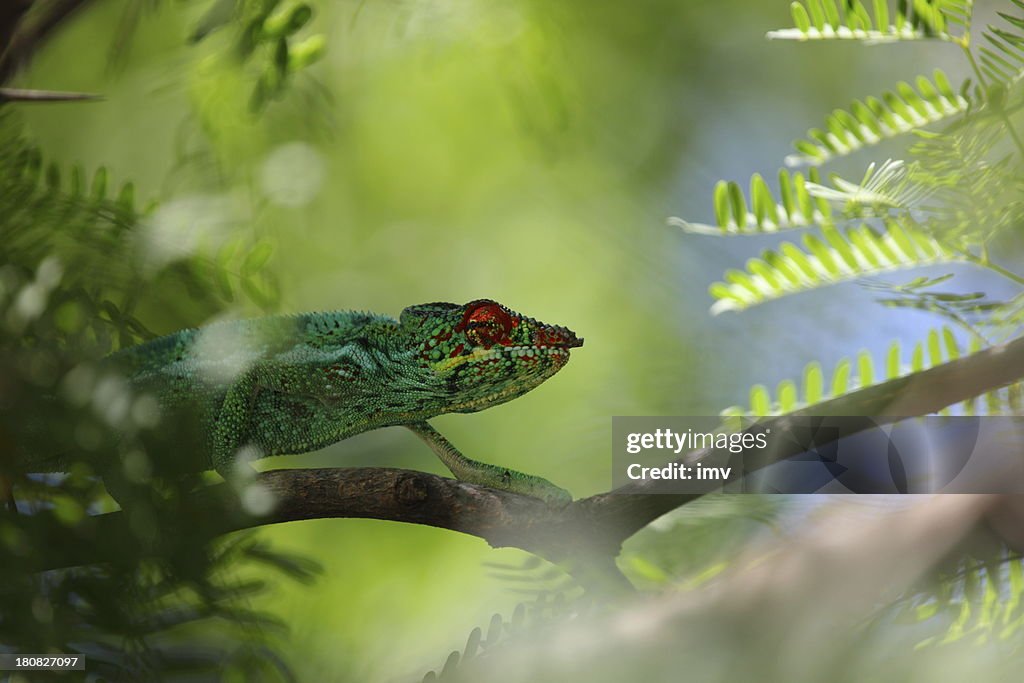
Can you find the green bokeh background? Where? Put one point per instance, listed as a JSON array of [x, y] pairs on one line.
[[525, 151]]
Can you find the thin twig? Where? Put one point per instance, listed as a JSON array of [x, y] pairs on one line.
[[23, 95]]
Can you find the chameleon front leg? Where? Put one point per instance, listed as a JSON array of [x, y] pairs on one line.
[[481, 473], [231, 422]]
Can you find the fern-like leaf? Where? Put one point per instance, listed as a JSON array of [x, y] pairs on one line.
[[940, 346], [542, 612], [796, 207], [839, 257], [977, 182], [851, 20], [982, 601], [1002, 59], [883, 188], [869, 121], [968, 310]]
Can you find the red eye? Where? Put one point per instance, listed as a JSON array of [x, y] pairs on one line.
[[486, 323]]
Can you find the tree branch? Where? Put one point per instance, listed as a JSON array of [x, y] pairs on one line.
[[499, 517], [22, 38], [11, 13]]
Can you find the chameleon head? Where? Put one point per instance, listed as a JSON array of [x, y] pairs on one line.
[[484, 353]]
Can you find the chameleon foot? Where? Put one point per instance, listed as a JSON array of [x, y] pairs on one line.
[[476, 472], [511, 480], [527, 485]]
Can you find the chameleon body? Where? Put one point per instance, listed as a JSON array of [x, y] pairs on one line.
[[295, 383]]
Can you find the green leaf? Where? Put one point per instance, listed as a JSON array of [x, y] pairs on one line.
[[869, 122], [264, 293], [126, 197], [760, 400], [850, 20], [939, 344], [287, 21], [800, 17], [788, 396], [53, 176], [1002, 56], [281, 55], [257, 258], [494, 631], [99, 183], [450, 665], [846, 256], [865, 369], [796, 208], [892, 361], [472, 643], [299, 17], [307, 51], [814, 382]]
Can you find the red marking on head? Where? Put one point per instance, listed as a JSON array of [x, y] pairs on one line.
[[556, 336], [456, 351], [486, 323], [487, 312]]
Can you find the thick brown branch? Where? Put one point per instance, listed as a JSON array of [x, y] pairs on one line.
[[499, 517]]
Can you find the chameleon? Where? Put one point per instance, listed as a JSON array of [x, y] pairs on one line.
[[289, 384]]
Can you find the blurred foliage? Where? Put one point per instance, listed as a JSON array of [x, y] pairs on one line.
[[80, 275], [266, 36], [528, 620], [977, 601], [376, 154], [941, 346]]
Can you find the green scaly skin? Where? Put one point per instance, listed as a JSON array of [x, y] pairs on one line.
[[292, 384]]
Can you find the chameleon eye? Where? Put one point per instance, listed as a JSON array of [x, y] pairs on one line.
[[486, 323]]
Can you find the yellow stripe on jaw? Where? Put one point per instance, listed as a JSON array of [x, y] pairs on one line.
[[478, 353]]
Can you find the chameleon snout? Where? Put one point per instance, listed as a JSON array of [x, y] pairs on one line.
[[556, 335]]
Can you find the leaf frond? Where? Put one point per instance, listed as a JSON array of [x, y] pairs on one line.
[[1001, 56], [839, 257], [541, 613], [884, 188], [872, 120], [981, 601], [939, 346], [978, 190], [759, 212], [969, 310], [851, 20]]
